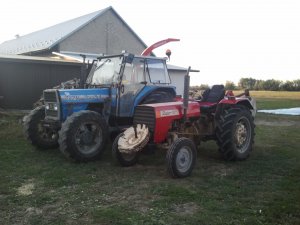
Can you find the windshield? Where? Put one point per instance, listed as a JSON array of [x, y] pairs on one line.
[[105, 71], [157, 70]]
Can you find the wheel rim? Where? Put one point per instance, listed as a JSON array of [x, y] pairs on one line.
[[184, 159], [242, 135], [46, 134], [128, 157], [88, 137]]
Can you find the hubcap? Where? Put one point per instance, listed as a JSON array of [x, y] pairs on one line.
[[88, 137], [46, 134], [242, 135], [128, 157], [184, 159]]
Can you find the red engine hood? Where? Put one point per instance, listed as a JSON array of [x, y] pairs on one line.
[[166, 113]]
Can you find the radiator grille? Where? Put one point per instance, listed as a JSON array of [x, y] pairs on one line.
[[52, 113], [50, 96], [145, 115], [50, 99]]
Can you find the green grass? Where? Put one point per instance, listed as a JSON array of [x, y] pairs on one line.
[[42, 187]]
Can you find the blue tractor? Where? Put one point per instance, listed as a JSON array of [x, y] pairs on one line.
[[80, 121]]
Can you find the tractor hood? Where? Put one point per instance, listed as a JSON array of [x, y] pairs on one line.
[[75, 100], [84, 95]]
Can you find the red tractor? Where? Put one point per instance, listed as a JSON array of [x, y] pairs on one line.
[[181, 125]]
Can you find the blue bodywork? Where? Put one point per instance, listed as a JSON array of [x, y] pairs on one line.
[[75, 100]]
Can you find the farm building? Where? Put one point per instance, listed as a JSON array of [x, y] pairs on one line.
[[30, 63], [23, 78], [102, 31]]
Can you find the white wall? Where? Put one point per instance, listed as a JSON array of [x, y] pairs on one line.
[[177, 80]]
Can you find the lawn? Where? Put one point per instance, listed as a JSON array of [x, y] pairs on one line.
[[42, 187]]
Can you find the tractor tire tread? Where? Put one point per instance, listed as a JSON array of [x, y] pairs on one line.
[[171, 157], [30, 129], [66, 133], [224, 132]]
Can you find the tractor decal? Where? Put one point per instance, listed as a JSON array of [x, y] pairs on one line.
[[170, 112], [83, 97]]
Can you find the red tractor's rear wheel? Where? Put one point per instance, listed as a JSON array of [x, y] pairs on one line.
[[181, 157], [235, 133]]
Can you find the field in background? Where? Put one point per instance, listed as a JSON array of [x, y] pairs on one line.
[[290, 95], [42, 187], [275, 99]]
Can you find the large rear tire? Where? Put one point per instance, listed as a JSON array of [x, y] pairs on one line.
[[40, 136], [125, 160], [181, 157], [235, 133], [83, 136]]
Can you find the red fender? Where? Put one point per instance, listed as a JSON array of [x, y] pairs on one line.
[[148, 50]]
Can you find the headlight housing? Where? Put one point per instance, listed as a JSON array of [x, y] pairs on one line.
[[51, 106]]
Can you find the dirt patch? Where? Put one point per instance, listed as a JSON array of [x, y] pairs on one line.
[[185, 209], [26, 189], [221, 170], [277, 123], [33, 211]]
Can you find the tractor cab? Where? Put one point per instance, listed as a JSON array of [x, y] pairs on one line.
[[130, 79], [128, 69]]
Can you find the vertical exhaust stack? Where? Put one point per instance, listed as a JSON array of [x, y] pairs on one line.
[[186, 93], [83, 71]]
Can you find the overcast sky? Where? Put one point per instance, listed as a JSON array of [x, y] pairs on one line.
[[226, 40]]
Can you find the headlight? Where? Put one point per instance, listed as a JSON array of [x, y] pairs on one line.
[[51, 106]]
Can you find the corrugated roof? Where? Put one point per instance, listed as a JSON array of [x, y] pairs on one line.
[[48, 37], [51, 36]]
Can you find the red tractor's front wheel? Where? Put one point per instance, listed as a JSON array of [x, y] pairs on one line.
[[181, 157], [124, 159]]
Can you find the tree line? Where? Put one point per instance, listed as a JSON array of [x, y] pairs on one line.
[[264, 85]]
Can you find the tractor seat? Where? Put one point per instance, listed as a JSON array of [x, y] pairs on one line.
[[215, 94], [210, 98]]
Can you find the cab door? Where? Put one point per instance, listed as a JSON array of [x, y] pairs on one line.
[[133, 80]]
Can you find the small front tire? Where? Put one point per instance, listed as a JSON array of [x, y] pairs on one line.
[[125, 160], [181, 157]]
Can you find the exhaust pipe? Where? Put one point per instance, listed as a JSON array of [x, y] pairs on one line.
[[186, 94]]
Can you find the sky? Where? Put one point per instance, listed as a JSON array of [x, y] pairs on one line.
[[224, 39]]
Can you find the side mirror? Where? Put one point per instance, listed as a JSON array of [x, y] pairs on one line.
[[129, 58]]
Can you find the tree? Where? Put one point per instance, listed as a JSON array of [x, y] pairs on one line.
[[259, 85], [271, 85], [297, 84], [229, 85], [288, 86], [247, 83]]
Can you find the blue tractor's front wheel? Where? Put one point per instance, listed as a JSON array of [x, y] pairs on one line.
[[39, 135], [83, 136]]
